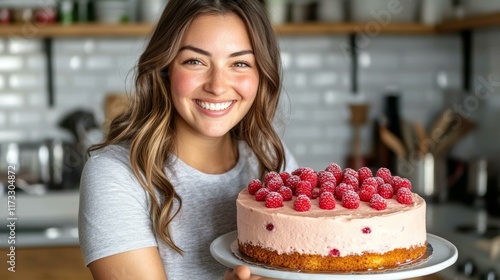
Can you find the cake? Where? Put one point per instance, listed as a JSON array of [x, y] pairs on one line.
[[306, 221]]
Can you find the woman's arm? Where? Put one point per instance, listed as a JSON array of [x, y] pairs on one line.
[[140, 264]]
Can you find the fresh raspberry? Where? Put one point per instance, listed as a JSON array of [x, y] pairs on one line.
[[327, 187], [284, 176], [274, 200], [301, 170], [302, 203], [286, 193], [310, 176], [350, 200], [363, 174], [379, 180], [351, 180], [334, 253], [335, 170], [270, 227], [254, 186], [403, 196], [261, 194], [292, 182], [385, 174], [378, 202], [304, 187], [405, 184], [396, 182], [327, 201], [352, 172], [370, 182], [366, 193], [270, 176], [325, 176], [366, 230], [274, 184], [341, 189], [386, 191]]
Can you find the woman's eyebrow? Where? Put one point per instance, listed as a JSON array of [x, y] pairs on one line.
[[203, 52]]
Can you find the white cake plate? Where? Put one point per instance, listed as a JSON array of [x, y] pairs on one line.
[[444, 254]]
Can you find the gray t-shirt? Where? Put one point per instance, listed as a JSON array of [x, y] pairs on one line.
[[114, 210]]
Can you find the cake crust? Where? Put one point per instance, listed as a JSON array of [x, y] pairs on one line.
[[307, 262]]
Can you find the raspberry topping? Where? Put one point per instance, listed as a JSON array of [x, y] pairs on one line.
[[292, 182], [335, 170], [254, 186], [370, 182], [379, 180], [403, 196], [406, 184], [302, 203], [270, 227], [341, 189], [274, 184], [270, 176], [363, 174], [366, 230], [274, 200], [378, 202], [350, 200], [325, 176], [310, 176], [261, 194], [286, 193], [284, 176], [334, 253], [367, 192], [327, 187], [386, 191], [304, 187], [351, 180], [301, 170], [352, 172], [396, 182], [327, 201], [385, 174]]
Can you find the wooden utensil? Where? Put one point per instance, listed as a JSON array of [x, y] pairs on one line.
[[392, 141], [455, 134], [422, 139]]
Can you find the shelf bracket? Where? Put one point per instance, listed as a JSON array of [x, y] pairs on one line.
[[47, 47]]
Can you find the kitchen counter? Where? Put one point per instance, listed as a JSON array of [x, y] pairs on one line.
[[50, 219]]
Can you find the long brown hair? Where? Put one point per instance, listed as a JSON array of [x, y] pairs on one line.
[[148, 126]]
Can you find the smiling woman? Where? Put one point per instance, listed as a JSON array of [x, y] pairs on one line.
[[163, 185]]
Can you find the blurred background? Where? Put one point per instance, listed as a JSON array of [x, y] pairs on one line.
[[413, 85]]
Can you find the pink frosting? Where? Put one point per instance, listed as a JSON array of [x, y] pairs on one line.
[[320, 232]]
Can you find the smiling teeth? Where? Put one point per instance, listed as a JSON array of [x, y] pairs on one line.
[[215, 106]]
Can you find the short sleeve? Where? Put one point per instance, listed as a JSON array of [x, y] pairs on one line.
[[114, 209]]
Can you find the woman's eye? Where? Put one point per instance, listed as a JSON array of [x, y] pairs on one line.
[[241, 64], [193, 62]]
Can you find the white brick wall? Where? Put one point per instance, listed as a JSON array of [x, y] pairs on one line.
[[316, 83]]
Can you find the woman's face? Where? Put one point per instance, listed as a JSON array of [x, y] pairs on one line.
[[214, 76]]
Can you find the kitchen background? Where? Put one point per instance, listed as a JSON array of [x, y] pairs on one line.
[[417, 76]]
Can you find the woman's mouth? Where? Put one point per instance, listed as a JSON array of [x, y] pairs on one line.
[[214, 106]]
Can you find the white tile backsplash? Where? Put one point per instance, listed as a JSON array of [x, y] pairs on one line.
[[316, 81], [10, 63]]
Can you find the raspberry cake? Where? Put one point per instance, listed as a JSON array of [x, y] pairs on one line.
[[331, 220]]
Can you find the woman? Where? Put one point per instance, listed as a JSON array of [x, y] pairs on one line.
[[163, 185]]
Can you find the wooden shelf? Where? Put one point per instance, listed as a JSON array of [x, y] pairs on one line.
[[353, 28], [30, 30], [470, 23]]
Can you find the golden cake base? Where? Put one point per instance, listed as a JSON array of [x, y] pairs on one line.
[[305, 262]]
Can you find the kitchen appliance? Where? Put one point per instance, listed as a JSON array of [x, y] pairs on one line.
[[42, 165], [476, 236]]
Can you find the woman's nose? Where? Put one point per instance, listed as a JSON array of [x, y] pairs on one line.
[[217, 81]]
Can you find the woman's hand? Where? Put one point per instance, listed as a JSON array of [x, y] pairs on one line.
[[242, 272]]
